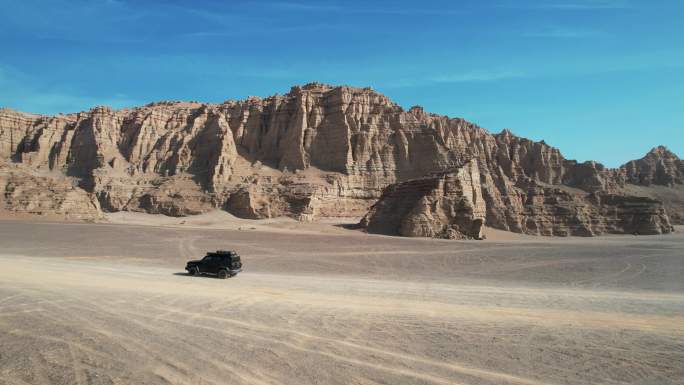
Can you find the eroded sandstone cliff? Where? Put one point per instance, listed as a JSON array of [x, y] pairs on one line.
[[446, 205], [659, 167], [317, 151], [25, 192], [451, 206]]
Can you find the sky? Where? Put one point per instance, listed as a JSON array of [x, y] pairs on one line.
[[600, 79]]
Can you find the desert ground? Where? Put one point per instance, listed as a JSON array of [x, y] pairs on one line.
[[317, 303]]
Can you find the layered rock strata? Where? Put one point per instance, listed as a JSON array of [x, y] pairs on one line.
[[448, 205], [451, 206], [22, 192], [561, 211], [316, 151], [659, 167]]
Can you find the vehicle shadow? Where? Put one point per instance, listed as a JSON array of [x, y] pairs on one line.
[[349, 226], [185, 274]]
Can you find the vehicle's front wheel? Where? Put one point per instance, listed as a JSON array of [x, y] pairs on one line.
[[194, 271], [222, 274]]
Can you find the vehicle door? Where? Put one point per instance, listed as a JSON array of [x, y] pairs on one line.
[[225, 262], [208, 264], [216, 264]]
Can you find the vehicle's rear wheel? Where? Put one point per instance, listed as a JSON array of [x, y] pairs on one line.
[[194, 271], [223, 274]]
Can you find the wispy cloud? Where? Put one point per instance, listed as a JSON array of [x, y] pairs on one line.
[[589, 5], [466, 76], [564, 33], [577, 5], [21, 92], [304, 7], [477, 76], [356, 9], [645, 61], [265, 30]]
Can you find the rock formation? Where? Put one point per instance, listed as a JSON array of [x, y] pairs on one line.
[[451, 206], [562, 211], [659, 167], [317, 151], [22, 192], [447, 205]]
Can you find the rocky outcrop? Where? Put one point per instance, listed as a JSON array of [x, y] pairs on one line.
[[259, 201], [451, 206], [316, 151], [21, 192], [659, 167], [448, 205], [560, 211]]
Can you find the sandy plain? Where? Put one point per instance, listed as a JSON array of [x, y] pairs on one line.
[[320, 304]]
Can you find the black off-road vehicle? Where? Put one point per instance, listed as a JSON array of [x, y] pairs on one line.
[[222, 263]]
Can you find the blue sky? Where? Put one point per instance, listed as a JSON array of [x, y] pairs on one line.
[[600, 79]]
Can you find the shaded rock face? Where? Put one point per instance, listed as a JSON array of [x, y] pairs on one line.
[[316, 151], [21, 192], [558, 211], [659, 167], [452, 206], [448, 205], [269, 201]]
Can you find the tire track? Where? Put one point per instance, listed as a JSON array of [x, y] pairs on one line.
[[281, 339]]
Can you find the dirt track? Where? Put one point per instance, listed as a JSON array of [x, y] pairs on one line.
[[106, 304]]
